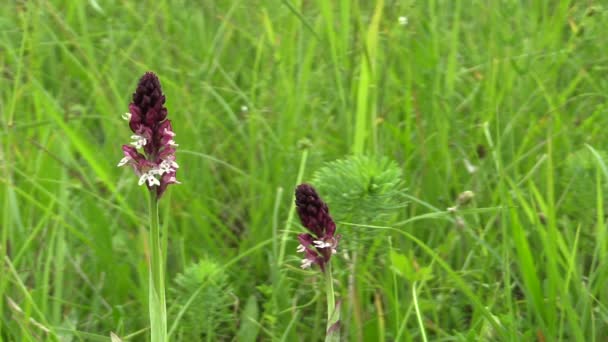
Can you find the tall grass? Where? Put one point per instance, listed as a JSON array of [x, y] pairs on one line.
[[515, 89]]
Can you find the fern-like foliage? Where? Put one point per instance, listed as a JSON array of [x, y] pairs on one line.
[[361, 189], [208, 317]]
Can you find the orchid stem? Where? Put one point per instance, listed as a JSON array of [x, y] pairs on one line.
[[157, 305], [333, 311]]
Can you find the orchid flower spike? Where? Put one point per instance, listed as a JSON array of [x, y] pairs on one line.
[[152, 151], [322, 241]]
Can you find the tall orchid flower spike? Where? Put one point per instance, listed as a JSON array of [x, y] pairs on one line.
[[152, 156], [318, 246], [152, 151]]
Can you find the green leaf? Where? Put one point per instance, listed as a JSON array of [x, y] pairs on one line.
[[250, 328]]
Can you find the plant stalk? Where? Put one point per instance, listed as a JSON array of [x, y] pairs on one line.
[[332, 333], [157, 303]]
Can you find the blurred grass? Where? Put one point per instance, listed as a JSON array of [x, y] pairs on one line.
[[516, 89]]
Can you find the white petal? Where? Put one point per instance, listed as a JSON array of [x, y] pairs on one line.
[[300, 248], [149, 177], [165, 167], [162, 169], [321, 244], [124, 161], [138, 141], [142, 179], [306, 263], [153, 181], [156, 171], [126, 116]]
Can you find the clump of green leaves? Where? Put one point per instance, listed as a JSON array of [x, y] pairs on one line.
[[202, 292], [362, 189]]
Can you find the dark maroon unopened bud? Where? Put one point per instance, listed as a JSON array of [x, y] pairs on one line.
[[156, 167], [314, 215]]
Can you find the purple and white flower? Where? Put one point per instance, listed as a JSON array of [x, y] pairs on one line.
[[153, 135], [318, 245]]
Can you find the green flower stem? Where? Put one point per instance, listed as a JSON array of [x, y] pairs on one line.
[[157, 305], [333, 311]]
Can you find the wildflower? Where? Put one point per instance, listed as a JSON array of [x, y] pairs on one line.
[[465, 197], [153, 135], [403, 20], [318, 245]]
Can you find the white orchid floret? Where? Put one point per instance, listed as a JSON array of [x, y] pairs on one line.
[[164, 167], [126, 116], [172, 143], [138, 141], [306, 263], [149, 177], [300, 248], [167, 166], [321, 244], [124, 161]]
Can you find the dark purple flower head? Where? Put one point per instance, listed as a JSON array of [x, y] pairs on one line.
[[321, 243], [156, 166]]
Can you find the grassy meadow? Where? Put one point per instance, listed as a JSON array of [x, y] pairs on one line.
[[461, 147]]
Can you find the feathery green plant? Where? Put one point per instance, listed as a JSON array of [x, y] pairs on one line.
[[209, 316], [362, 189]]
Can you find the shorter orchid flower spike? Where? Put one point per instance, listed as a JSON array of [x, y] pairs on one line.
[[318, 245]]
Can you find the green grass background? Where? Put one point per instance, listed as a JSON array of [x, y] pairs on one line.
[[517, 88]]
